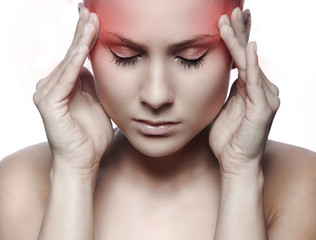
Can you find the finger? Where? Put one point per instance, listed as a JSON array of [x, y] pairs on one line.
[[269, 84], [66, 83], [239, 27], [260, 90], [96, 24], [44, 85], [247, 21], [237, 51], [271, 91], [84, 37], [255, 89], [242, 24], [235, 48], [86, 18], [258, 110], [83, 18], [55, 74], [87, 39]]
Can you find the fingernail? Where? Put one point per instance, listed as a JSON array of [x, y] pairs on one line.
[[247, 12], [82, 12], [247, 16], [226, 19], [254, 46], [85, 29], [80, 5], [239, 14]]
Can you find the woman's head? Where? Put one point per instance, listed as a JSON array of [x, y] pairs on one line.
[[161, 68]]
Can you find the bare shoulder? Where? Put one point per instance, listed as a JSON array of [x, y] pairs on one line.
[[24, 185], [282, 161], [290, 191]]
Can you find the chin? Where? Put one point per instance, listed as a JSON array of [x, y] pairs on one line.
[[159, 147]]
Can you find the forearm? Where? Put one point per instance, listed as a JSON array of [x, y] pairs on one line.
[[241, 214], [69, 211]]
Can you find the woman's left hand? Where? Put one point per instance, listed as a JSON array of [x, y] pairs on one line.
[[239, 133]]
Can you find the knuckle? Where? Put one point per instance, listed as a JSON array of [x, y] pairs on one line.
[[42, 106], [267, 109], [41, 101], [275, 89], [40, 83], [36, 98], [72, 62], [273, 106], [276, 105], [242, 69]]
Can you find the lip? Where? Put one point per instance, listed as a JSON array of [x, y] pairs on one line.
[[155, 127]]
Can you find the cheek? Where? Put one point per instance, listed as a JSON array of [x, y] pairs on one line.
[[115, 88], [206, 95], [112, 93]]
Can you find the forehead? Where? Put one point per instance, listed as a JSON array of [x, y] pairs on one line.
[[155, 19]]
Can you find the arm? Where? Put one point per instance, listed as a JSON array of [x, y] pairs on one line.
[[78, 132], [238, 137], [69, 212], [241, 214]]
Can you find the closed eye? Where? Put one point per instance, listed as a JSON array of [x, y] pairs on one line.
[[184, 62], [188, 63], [124, 61]]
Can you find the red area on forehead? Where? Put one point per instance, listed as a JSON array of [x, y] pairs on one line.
[[115, 16], [108, 12]]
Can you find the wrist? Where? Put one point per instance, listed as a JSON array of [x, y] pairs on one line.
[[240, 168], [246, 181], [73, 176]]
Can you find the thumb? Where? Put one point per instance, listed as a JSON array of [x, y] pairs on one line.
[[87, 83]]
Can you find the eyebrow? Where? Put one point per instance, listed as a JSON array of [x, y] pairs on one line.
[[198, 39]]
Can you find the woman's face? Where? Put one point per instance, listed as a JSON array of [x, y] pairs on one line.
[[161, 69]]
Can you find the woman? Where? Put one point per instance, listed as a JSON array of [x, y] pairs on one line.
[[180, 165]]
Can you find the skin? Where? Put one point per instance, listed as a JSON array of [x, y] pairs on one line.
[[149, 98], [197, 182]]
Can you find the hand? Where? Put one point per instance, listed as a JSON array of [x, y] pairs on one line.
[[77, 128], [239, 133]]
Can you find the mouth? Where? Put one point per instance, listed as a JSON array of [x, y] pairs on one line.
[[155, 128]]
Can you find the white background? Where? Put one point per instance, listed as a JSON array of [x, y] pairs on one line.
[[35, 35]]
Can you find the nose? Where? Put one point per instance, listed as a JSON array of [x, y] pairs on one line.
[[156, 90]]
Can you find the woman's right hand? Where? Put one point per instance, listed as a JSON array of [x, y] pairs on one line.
[[77, 128]]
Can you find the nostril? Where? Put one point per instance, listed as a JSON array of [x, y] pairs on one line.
[[157, 98], [155, 109]]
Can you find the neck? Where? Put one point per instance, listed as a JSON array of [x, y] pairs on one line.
[[194, 161]]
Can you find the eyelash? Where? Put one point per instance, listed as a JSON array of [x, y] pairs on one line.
[[186, 63], [189, 63]]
